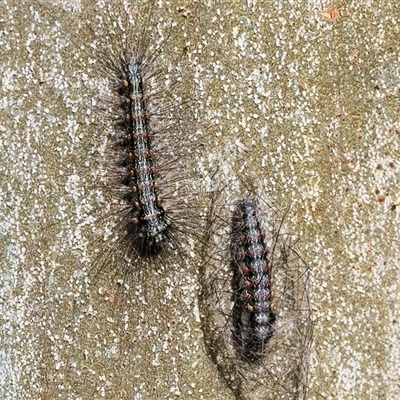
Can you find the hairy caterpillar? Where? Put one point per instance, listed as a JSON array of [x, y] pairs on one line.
[[143, 134], [252, 270], [257, 320]]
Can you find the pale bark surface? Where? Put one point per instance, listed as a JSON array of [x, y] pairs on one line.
[[309, 103]]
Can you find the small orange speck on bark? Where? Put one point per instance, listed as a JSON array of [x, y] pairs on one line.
[[330, 14]]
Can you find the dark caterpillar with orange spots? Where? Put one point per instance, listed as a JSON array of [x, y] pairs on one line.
[[252, 283], [254, 301], [148, 227], [141, 132]]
